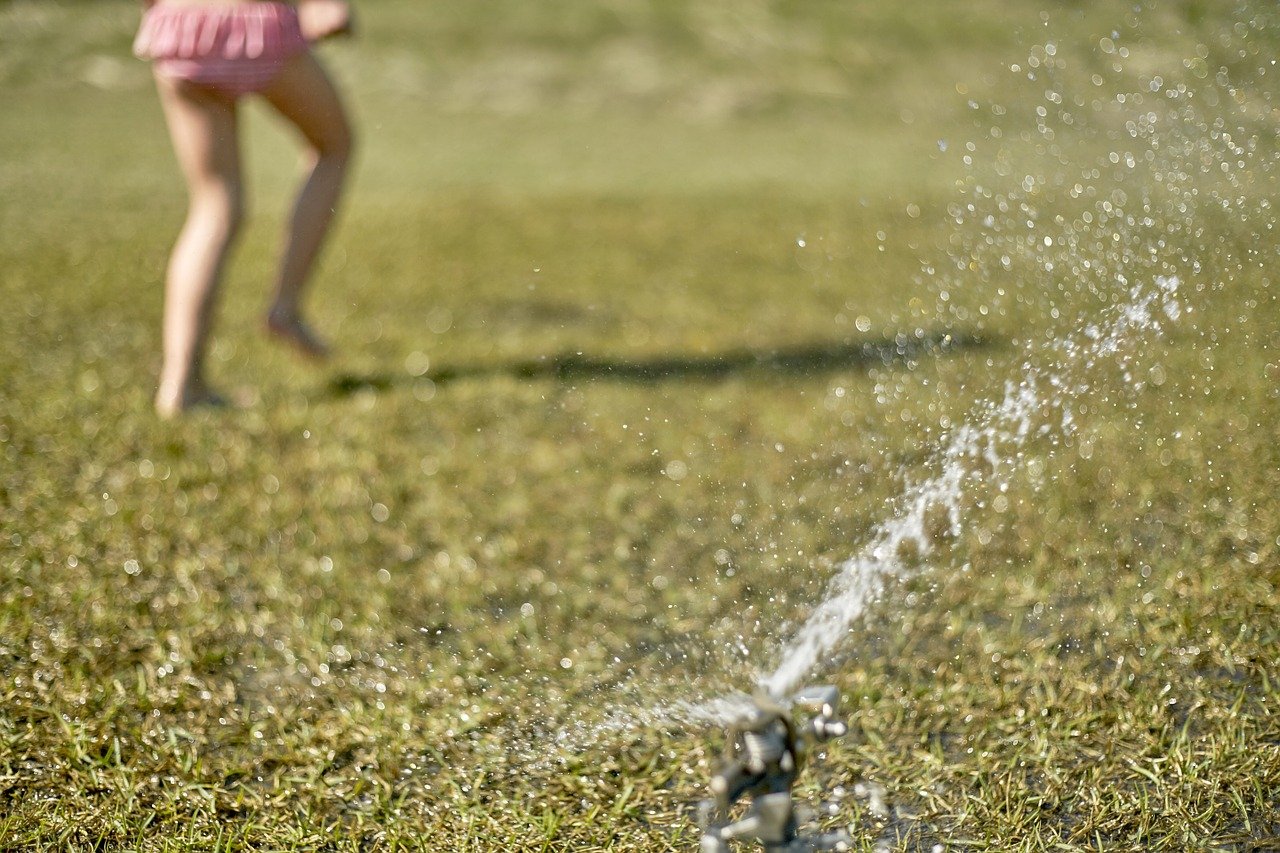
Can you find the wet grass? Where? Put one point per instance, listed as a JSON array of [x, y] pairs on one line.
[[601, 431]]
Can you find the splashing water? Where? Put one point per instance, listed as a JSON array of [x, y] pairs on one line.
[[979, 451]]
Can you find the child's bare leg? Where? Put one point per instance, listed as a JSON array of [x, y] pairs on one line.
[[203, 128], [304, 95]]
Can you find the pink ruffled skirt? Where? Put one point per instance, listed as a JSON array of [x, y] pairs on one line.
[[234, 48]]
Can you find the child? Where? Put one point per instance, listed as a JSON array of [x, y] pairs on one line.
[[207, 54]]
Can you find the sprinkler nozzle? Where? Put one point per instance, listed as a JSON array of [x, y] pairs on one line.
[[762, 757]]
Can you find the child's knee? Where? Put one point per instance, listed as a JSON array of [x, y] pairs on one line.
[[336, 141], [341, 143], [222, 208]]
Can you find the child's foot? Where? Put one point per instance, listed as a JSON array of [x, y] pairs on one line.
[[170, 404], [290, 329]]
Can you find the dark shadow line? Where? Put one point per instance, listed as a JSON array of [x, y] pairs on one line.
[[809, 359]]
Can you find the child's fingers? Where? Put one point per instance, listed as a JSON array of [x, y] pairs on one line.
[[323, 19]]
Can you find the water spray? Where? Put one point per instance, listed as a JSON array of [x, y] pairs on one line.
[[763, 755], [765, 744]]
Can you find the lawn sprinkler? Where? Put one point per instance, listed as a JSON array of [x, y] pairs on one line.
[[762, 756]]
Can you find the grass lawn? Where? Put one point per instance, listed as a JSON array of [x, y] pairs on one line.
[[647, 314]]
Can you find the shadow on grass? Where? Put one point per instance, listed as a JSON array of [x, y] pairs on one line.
[[804, 360]]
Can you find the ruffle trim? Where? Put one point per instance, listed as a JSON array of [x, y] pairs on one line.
[[230, 31]]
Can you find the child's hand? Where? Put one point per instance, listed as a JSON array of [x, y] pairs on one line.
[[322, 19]]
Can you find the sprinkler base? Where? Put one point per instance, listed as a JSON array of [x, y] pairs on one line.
[[763, 755]]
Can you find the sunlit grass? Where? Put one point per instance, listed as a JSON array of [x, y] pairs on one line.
[[600, 431]]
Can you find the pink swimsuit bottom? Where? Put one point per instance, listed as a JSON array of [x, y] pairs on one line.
[[235, 48]]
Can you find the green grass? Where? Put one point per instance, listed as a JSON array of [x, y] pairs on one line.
[[601, 430]]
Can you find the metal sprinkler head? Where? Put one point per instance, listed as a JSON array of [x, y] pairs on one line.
[[762, 757]]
